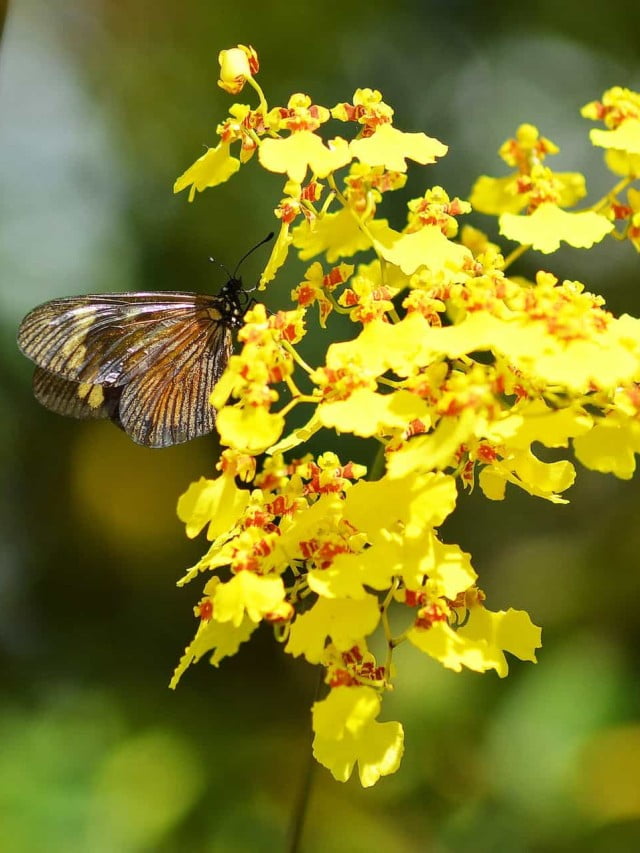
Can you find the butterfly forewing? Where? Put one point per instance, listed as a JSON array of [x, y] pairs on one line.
[[109, 338], [147, 361]]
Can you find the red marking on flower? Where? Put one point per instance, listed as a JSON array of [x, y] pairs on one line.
[[280, 506], [381, 293], [633, 393], [205, 610], [353, 113], [308, 548], [258, 519], [353, 655], [349, 298], [327, 552], [342, 678], [254, 63], [416, 427], [246, 563], [312, 191], [454, 408], [268, 481], [287, 211], [322, 481], [304, 295], [429, 615], [282, 616], [524, 184], [341, 383], [466, 475], [348, 472], [316, 487], [290, 332], [467, 598], [486, 453], [520, 392], [621, 211], [601, 110], [333, 278], [309, 119], [387, 181], [276, 373], [424, 389], [373, 673], [414, 597], [263, 548]]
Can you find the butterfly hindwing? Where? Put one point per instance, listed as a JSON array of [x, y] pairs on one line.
[[75, 399]]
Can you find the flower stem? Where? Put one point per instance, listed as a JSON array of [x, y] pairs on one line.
[[377, 466], [264, 109], [606, 199], [515, 255], [299, 815]]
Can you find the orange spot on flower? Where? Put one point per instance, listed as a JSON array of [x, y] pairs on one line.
[[205, 610]]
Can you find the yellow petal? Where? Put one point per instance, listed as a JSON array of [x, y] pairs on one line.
[[247, 593], [548, 225], [610, 447], [508, 630], [347, 732], [366, 413], [390, 147], [496, 195], [435, 451], [249, 429], [224, 639], [278, 255], [454, 651], [626, 137], [304, 149], [346, 621], [214, 167], [427, 247], [219, 503], [337, 235], [419, 502]]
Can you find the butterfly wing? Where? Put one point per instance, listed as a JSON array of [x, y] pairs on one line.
[[155, 357], [108, 339], [170, 403], [75, 399]]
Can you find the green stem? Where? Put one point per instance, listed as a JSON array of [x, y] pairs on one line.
[[515, 255], [605, 200], [302, 804], [377, 466], [264, 109]]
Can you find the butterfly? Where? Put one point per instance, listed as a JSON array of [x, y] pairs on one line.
[[146, 361]]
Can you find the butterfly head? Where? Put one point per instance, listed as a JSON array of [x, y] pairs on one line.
[[234, 302]]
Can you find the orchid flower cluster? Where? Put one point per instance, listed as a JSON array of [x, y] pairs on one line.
[[454, 368]]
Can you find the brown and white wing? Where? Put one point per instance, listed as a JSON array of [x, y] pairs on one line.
[[169, 403], [109, 338], [75, 399]]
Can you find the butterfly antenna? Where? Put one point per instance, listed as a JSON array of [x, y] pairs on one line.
[[257, 246], [221, 265]]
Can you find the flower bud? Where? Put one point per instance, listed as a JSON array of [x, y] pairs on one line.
[[236, 66]]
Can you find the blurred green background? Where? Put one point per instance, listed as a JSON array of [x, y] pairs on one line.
[[102, 105]]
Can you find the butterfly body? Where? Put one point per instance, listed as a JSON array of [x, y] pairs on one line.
[[147, 361]]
